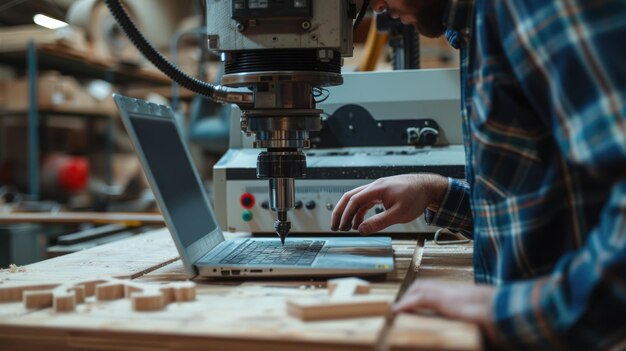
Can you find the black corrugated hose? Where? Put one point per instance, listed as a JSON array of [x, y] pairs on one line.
[[361, 14], [140, 42], [180, 77]]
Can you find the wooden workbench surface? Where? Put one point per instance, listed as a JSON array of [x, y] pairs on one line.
[[227, 315]]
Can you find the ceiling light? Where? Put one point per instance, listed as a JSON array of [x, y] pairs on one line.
[[48, 22]]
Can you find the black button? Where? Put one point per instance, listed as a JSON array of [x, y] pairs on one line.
[[265, 205], [298, 205], [310, 205]]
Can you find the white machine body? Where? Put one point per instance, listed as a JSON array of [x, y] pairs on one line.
[[415, 94]]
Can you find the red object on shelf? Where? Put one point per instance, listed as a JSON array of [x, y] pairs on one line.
[[74, 174], [246, 200], [65, 173]]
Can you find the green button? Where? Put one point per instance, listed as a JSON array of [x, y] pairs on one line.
[[246, 216]]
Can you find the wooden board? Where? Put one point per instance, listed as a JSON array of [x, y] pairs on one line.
[[219, 315], [229, 315], [129, 258]]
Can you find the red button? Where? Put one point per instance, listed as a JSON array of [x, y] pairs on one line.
[[247, 200]]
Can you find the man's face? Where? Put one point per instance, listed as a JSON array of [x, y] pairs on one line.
[[426, 15]]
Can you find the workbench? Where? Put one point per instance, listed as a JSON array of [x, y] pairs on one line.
[[226, 315]]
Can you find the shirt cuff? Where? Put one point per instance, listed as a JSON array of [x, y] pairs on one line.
[[454, 211]]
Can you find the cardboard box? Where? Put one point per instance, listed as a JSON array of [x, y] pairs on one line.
[[55, 92]]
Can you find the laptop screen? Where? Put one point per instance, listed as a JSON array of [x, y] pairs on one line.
[[171, 168]]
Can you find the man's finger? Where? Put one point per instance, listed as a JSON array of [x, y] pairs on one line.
[[357, 201], [360, 215], [409, 303], [378, 222], [341, 205]]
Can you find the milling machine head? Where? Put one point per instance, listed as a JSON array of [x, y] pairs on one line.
[[284, 52]]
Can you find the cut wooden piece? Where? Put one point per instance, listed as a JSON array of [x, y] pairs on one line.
[[315, 309], [346, 287], [184, 291], [65, 297], [342, 302], [62, 297], [37, 299], [148, 301], [90, 286], [15, 293], [153, 299], [79, 292], [110, 291], [64, 302]]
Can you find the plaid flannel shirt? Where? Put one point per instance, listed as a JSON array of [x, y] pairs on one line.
[[543, 108]]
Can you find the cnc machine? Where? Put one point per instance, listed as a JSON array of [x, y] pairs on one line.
[[282, 57], [277, 56]]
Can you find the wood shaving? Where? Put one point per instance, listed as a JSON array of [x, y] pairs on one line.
[[13, 268]]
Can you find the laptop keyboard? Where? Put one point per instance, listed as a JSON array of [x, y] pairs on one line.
[[299, 253]]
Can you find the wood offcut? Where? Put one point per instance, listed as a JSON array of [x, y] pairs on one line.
[[65, 297], [348, 298]]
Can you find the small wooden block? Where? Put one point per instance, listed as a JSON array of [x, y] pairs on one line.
[[90, 286], [79, 292], [109, 291], [315, 309], [37, 299], [359, 286], [184, 291], [15, 293], [168, 293], [64, 302], [65, 297], [151, 301]]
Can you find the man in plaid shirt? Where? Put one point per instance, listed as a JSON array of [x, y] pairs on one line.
[[544, 116]]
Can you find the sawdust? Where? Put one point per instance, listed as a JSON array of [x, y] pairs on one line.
[[13, 268]]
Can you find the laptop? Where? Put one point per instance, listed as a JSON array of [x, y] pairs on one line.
[[191, 221]]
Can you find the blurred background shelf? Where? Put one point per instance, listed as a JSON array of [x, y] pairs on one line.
[[79, 64], [37, 107]]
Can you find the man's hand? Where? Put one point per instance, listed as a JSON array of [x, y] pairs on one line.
[[465, 302], [405, 197]]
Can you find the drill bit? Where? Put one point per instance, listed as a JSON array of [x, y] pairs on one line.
[[282, 226]]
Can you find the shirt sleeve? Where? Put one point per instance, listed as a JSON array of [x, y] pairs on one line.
[[582, 304], [566, 58], [454, 212]]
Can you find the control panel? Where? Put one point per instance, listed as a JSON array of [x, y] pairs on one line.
[[247, 207], [255, 9]]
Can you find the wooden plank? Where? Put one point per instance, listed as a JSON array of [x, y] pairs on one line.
[[128, 258], [129, 219], [230, 315]]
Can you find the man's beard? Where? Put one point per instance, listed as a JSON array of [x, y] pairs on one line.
[[430, 18]]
